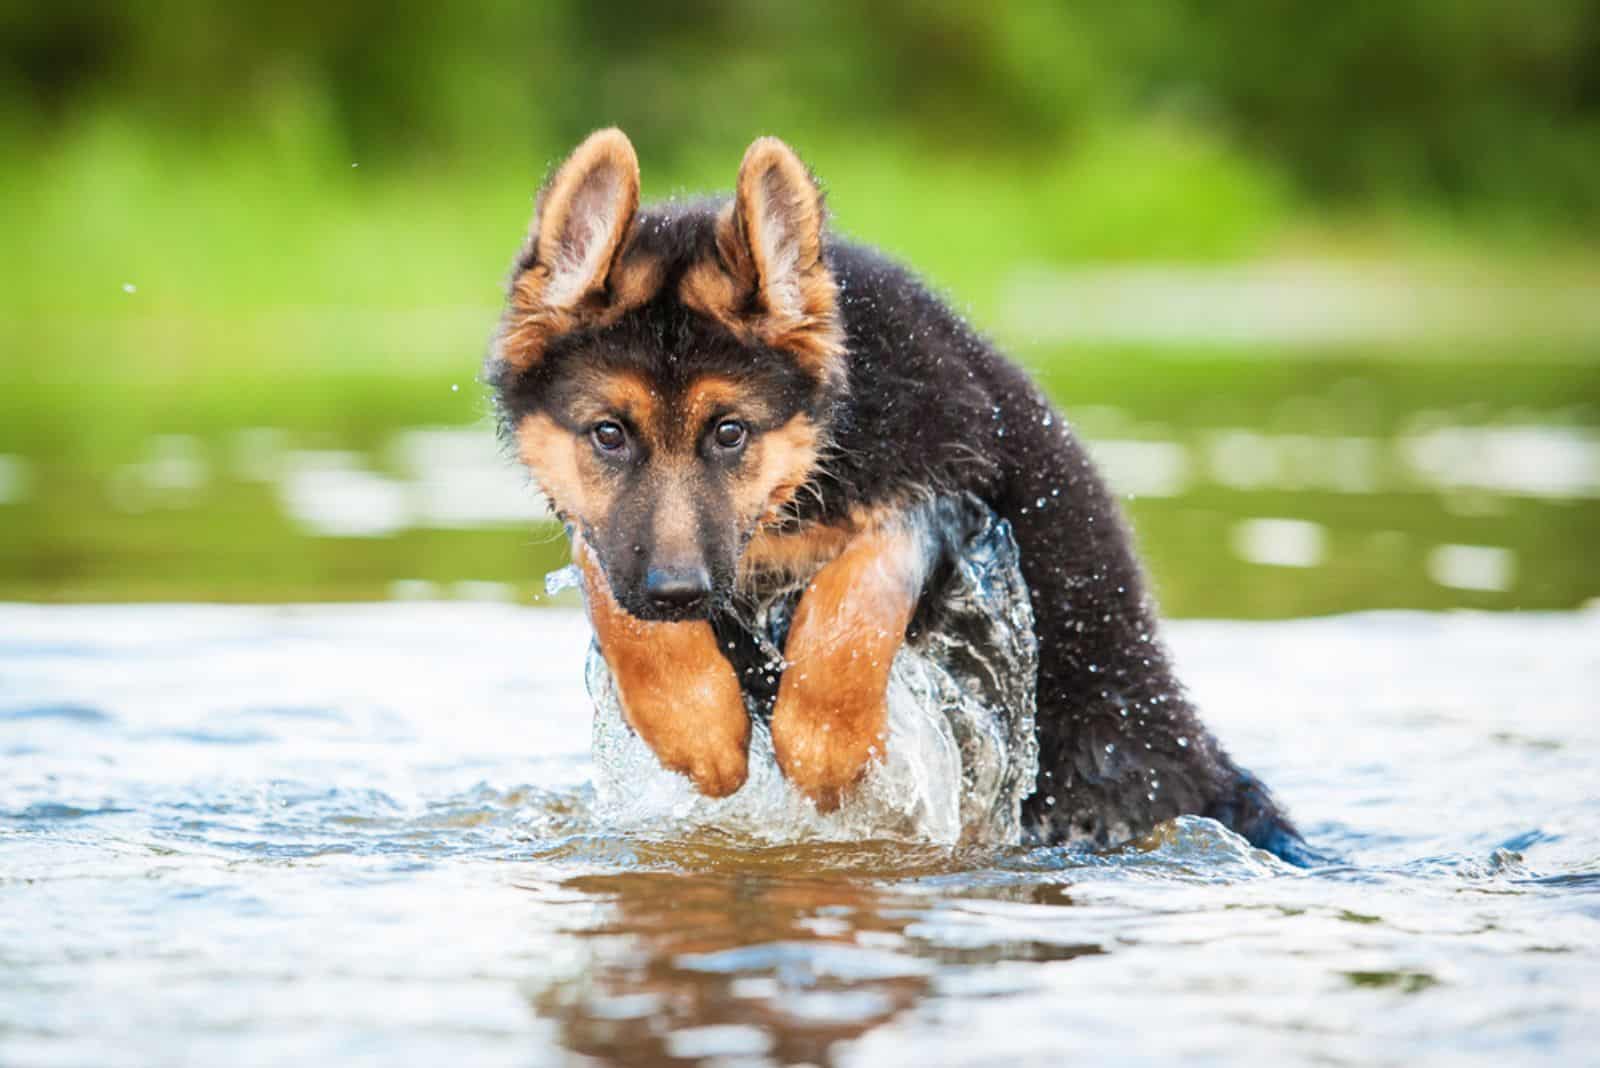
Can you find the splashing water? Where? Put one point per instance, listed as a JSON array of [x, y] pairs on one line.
[[961, 753], [258, 835]]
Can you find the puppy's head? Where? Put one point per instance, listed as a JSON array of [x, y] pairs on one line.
[[667, 374]]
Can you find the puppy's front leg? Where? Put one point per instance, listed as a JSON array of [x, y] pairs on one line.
[[832, 711], [678, 691]]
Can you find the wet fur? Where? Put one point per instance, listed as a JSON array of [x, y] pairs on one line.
[[900, 401]]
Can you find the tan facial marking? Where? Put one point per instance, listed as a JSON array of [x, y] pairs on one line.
[[711, 394], [562, 463], [785, 460], [552, 455], [624, 395]]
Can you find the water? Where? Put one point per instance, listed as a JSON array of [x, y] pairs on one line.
[[367, 834]]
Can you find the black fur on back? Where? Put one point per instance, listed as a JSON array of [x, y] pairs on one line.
[[932, 403]]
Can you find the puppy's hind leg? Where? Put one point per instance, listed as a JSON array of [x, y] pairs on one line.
[[831, 715]]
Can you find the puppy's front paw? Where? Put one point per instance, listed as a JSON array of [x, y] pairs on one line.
[[711, 748], [824, 748], [719, 772]]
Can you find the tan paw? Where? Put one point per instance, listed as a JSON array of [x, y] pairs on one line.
[[825, 753]]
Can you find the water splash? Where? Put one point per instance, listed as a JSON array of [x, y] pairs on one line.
[[961, 753], [563, 579]]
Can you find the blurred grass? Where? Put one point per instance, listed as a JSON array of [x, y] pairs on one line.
[[287, 220]]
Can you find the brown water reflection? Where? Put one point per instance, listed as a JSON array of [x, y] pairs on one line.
[[778, 954]]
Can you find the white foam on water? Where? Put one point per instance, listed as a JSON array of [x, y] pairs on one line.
[[914, 791]]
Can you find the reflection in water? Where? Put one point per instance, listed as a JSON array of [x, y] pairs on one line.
[[779, 951]]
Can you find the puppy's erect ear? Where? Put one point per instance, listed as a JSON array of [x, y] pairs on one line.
[[777, 222], [772, 283], [576, 269], [584, 214]]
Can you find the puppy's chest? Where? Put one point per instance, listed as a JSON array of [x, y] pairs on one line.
[[780, 556], [774, 570], [752, 638]]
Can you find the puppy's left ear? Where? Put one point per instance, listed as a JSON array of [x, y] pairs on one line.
[[772, 283]]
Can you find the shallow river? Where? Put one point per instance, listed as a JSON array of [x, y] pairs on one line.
[[368, 836]]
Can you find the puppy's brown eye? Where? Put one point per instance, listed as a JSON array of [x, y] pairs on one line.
[[609, 436], [729, 434]]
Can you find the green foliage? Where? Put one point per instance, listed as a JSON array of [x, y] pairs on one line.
[[1488, 103]]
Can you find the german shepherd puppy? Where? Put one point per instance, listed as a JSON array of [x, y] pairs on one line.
[[721, 399]]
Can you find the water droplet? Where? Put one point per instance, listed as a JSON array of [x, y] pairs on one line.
[[129, 287], [455, 388], [1110, 748], [1183, 743], [1039, 503]]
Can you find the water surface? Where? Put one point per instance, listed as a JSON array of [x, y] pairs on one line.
[[367, 834]]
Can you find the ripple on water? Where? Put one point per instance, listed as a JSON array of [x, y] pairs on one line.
[[82, 714], [424, 873]]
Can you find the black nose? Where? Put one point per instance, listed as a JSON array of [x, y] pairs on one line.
[[677, 588]]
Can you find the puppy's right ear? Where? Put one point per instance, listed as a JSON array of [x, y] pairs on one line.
[[584, 212], [584, 216]]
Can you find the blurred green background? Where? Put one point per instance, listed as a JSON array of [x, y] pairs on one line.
[[1320, 284]]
